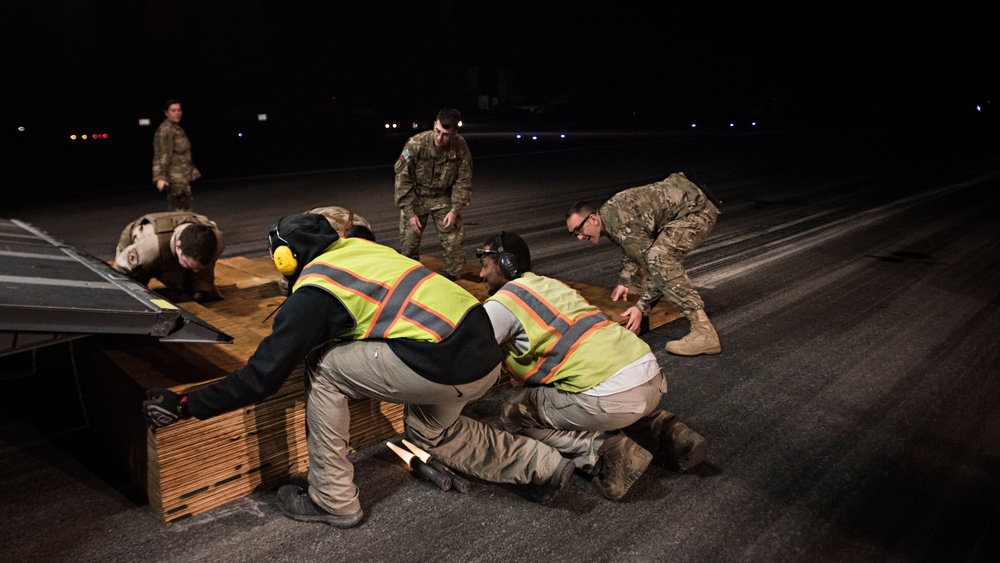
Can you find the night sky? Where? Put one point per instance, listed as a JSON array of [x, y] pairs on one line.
[[75, 57]]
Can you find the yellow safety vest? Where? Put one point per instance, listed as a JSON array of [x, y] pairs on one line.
[[387, 294], [572, 344]]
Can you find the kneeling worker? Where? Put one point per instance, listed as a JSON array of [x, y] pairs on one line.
[[370, 322], [179, 248], [592, 388]]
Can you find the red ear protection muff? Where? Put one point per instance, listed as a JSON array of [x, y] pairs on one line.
[[285, 260]]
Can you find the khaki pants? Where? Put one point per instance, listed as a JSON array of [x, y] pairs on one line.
[[433, 421], [577, 424]]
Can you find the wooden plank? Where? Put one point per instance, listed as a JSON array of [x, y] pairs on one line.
[[664, 312], [196, 465]]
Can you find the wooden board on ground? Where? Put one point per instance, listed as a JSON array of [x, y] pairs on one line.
[[193, 466], [663, 313]]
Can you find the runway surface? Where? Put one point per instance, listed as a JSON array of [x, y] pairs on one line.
[[851, 416]]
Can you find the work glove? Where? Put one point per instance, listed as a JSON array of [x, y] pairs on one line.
[[163, 407]]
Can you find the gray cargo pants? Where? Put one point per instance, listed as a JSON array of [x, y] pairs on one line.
[[577, 424]]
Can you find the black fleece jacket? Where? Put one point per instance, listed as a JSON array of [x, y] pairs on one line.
[[311, 317]]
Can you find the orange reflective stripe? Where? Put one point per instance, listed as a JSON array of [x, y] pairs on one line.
[[369, 290], [569, 333]]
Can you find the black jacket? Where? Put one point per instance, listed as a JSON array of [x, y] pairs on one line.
[[311, 317]]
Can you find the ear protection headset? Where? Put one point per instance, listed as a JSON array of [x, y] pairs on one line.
[[285, 260], [510, 264]]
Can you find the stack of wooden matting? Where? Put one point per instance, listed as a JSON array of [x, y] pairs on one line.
[[194, 465]]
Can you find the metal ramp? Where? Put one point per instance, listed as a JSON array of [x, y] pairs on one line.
[[52, 292]]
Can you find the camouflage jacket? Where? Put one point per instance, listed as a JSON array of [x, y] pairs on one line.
[[172, 155], [429, 178], [143, 252], [634, 218]]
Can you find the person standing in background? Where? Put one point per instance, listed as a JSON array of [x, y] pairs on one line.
[[433, 184], [173, 169]]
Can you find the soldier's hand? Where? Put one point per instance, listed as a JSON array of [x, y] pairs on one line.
[[160, 184], [163, 407], [634, 316], [416, 225], [449, 220], [619, 292]]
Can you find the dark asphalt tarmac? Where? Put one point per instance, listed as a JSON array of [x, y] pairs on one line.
[[851, 416]]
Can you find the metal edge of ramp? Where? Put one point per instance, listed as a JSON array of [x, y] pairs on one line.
[[34, 309]]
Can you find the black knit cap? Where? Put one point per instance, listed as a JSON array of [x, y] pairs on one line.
[[306, 234]]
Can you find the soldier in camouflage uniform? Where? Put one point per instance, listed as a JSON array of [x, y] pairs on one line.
[[179, 248], [433, 183], [173, 169], [656, 225], [341, 219]]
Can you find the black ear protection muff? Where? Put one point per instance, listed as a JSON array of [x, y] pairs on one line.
[[510, 264], [285, 260]]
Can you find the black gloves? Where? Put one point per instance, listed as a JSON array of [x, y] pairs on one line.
[[163, 407]]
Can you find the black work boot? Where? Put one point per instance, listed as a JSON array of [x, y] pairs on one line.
[[296, 504], [544, 492], [621, 463]]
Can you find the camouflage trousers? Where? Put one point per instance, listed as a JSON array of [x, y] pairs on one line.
[[179, 197], [664, 259], [451, 241], [577, 424]]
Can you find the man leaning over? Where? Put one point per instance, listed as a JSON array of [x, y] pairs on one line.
[[179, 248], [656, 226]]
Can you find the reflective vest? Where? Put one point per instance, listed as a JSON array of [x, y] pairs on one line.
[[572, 344], [387, 294]]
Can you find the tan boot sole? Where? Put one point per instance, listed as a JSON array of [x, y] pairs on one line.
[[684, 351]]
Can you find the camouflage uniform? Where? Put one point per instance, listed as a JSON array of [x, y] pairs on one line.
[[657, 225], [430, 183], [341, 219], [172, 162], [144, 252]]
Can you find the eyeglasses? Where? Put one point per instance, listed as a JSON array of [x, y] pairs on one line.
[[579, 228], [480, 252]]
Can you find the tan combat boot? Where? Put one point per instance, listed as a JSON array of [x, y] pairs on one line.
[[681, 448], [673, 444], [701, 340], [622, 462]]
